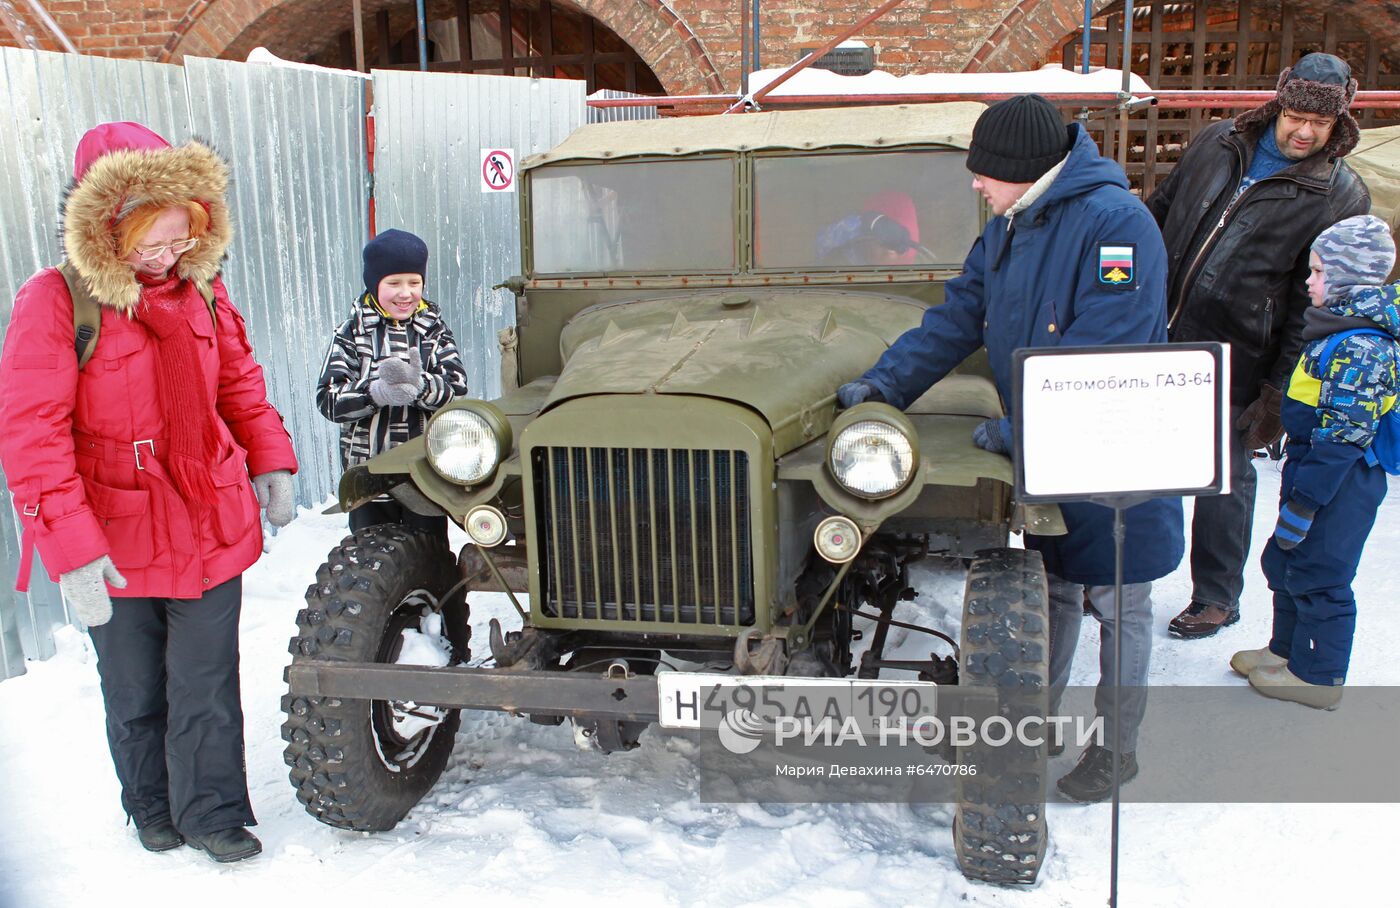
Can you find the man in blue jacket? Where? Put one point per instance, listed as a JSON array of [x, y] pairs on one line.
[[1073, 259]]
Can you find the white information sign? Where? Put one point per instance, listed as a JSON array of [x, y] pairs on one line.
[[498, 170], [1119, 420]]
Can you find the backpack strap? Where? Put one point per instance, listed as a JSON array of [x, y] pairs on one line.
[[1324, 356], [207, 292], [87, 315]]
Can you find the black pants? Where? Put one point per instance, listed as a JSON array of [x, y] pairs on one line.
[[169, 670], [1221, 528], [374, 513]]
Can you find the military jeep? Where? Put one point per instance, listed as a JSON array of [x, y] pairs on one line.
[[666, 476]]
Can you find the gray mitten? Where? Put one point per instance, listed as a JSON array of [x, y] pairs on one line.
[[398, 383], [386, 395], [86, 589], [397, 372], [274, 491]]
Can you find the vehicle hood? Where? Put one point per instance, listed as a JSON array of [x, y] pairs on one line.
[[780, 353]]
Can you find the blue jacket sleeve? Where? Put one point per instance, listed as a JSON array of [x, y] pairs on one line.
[[949, 334], [1361, 375], [1134, 313]]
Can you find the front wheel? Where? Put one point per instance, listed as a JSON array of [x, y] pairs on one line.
[[1000, 832], [386, 594]]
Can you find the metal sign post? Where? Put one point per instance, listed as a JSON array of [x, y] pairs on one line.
[[1117, 426]]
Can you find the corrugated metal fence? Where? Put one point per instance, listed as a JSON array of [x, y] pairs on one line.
[[300, 193]]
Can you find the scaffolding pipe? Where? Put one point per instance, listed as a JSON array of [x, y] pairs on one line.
[[814, 56], [743, 47], [757, 37], [423, 38], [1088, 23], [1175, 99], [43, 16], [1126, 98]]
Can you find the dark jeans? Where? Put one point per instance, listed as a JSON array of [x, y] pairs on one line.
[[169, 670], [1220, 531], [374, 513]]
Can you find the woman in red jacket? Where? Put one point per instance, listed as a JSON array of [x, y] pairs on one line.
[[140, 475]]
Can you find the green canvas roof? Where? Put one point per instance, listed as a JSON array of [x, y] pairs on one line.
[[1377, 160], [878, 127]]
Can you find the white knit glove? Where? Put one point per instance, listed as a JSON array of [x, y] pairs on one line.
[[85, 588], [275, 493]]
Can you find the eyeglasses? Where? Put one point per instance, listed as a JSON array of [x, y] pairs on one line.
[[178, 247], [1321, 125]]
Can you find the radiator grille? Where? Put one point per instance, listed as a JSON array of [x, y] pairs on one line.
[[644, 534]]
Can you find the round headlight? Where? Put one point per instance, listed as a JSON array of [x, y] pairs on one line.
[[462, 447], [872, 458]]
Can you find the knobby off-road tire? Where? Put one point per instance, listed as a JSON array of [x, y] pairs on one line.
[[350, 769], [1000, 832]]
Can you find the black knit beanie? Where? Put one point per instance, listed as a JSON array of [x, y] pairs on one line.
[[394, 252], [1018, 140]]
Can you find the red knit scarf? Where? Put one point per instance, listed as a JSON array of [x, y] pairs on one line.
[[166, 310]]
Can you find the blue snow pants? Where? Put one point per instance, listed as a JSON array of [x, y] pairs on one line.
[[1314, 608]]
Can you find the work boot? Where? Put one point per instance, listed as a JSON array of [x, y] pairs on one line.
[[1092, 778], [227, 845], [1280, 683], [1247, 660], [160, 835], [1201, 620]]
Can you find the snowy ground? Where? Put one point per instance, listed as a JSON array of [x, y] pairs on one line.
[[522, 817]]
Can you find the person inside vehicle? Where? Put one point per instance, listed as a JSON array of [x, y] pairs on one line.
[[884, 232]]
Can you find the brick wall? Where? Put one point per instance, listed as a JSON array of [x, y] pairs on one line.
[[691, 45]]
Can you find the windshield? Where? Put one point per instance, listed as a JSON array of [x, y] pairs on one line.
[[650, 216], [864, 210]]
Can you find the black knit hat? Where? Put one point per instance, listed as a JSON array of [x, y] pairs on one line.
[[1018, 140], [394, 252]]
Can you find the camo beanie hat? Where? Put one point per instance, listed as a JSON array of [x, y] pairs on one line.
[[1356, 252]]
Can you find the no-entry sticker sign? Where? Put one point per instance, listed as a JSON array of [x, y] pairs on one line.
[[497, 170]]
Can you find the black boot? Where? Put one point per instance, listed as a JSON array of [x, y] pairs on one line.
[[1092, 778], [160, 835], [227, 845]]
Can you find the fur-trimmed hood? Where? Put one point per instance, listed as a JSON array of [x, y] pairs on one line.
[[1300, 88], [121, 166]]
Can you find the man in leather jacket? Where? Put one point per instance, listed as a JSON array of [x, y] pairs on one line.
[[1238, 214]]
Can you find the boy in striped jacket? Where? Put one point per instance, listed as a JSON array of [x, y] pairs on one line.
[[391, 365]]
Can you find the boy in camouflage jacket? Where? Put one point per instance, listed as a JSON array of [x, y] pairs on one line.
[[1331, 489]]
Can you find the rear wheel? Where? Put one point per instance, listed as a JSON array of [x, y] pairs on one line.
[[1000, 832], [386, 594]]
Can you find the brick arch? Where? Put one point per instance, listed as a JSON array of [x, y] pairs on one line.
[[1033, 28], [664, 41], [1026, 34]]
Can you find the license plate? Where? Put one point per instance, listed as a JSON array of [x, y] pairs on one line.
[[700, 700]]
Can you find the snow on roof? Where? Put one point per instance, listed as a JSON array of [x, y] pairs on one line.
[[1051, 78]]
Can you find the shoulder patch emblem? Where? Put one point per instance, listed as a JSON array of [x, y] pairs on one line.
[[1116, 264]]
